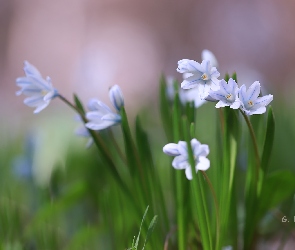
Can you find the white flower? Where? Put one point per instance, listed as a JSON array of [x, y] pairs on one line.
[[116, 97], [227, 95], [185, 95], [101, 116], [181, 160], [189, 95], [251, 104], [39, 91], [208, 55], [202, 76], [227, 248]]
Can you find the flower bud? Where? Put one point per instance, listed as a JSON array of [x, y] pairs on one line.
[[116, 97]]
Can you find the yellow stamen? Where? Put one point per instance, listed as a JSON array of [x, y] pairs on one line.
[[205, 77], [250, 103], [228, 96]]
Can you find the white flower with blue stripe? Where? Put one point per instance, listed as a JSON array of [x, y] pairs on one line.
[[202, 76], [39, 90], [251, 104], [227, 95], [101, 116]]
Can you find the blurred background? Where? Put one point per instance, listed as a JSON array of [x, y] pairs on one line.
[[86, 46]]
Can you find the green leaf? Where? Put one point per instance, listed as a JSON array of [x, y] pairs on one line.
[[82, 237], [165, 109], [197, 187], [143, 218], [268, 142], [226, 77], [177, 132], [277, 187], [52, 210], [130, 150], [234, 77], [150, 230], [79, 104]]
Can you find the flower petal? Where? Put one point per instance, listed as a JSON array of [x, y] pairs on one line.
[[116, 97], [188, 173], [208, 55], [34, 101], [188, 66], [203, 163], [41, 107], [99, 126], [180, 162], [31, 70], [253, 91], [171, 149]]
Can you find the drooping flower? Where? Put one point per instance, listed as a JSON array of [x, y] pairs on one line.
[[181, 160], [251, 104], [227, 95], [202, 76], [39, 91], [101, 116], [116, 97], [209, 56]]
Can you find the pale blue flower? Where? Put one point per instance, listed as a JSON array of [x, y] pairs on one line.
[[209, 56], [23, 164], [201, 76], [227, 95], [251, 104], [101, 116], [116, 97], [83, 131], [181, 160], [39, 91], [185, 95], [227, 248]]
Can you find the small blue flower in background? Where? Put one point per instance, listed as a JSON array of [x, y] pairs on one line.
[[202, 76], [185, 95], [23, 164], [101, 117], [83, 131], [251, 104], [227, 95], [116, 97], [39, 91], [181, 160], [209, 56]]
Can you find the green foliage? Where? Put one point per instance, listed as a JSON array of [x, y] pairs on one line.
[[149, 232], [95, 198]]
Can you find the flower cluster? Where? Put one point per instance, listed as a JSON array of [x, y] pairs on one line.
[[39, 90], [181, 160], [204, 78]]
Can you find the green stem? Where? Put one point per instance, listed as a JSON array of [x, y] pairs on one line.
[[181, 223], [216, 209], [110, 132], [257, 158], [199, 195]]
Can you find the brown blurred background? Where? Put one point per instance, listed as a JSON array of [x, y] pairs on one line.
[[86, 46]]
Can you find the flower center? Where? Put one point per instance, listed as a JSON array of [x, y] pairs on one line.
[[250, 103], [229, 97], [205, 77], [44, 92]]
